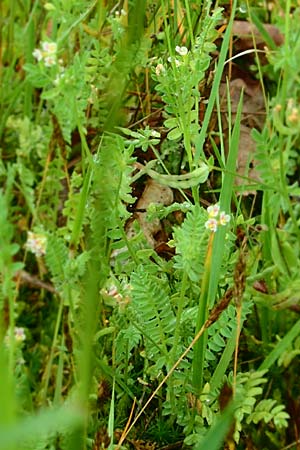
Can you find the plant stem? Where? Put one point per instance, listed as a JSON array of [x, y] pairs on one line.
[[54, 342], [200, 346], [178, 316]]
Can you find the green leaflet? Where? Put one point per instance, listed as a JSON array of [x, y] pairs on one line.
[[57, 258], [184, 181], [191, 243]]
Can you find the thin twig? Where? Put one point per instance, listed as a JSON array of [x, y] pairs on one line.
[[25, 277]]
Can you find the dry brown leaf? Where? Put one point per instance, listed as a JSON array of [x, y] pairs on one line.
[[246, 163], [244, 30], [159, 195], [253, 112]]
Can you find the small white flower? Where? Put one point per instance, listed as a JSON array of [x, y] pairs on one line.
[[213, 210], [211, 224], [20, 334], [159, 69], [155, 134], [50, 61], [182, 51], [49, 47], [224, 218], [37, 54], [113, 293], [36, 243], [44, 46], [176, 61]]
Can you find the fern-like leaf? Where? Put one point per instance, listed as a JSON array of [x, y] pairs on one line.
[[249, 386], [56, 258], [191, 243], [267, 410], [223, 329], [151, 303]]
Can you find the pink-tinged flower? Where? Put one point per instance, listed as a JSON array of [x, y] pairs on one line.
[[216, 218], [182, 51], [50, 61], [49, 48], [159, 69], [19, 334], [36, 243], [213, 211], [47, 53], [224, 218], [37, 54], [113, 291], [211, 224]]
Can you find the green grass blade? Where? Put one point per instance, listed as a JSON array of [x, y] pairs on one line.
[[265, 35], [224, 362], [217, 434], [215, 87], [280, 347], [200, 346], [111, 418], [225, 201]]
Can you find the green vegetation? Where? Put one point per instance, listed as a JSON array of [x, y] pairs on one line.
[[149, 225]]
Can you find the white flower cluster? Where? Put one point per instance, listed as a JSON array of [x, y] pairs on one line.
[[216, 218], [159, 69], [182, 51], [36, 243], [121, 13], [47, 53]]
